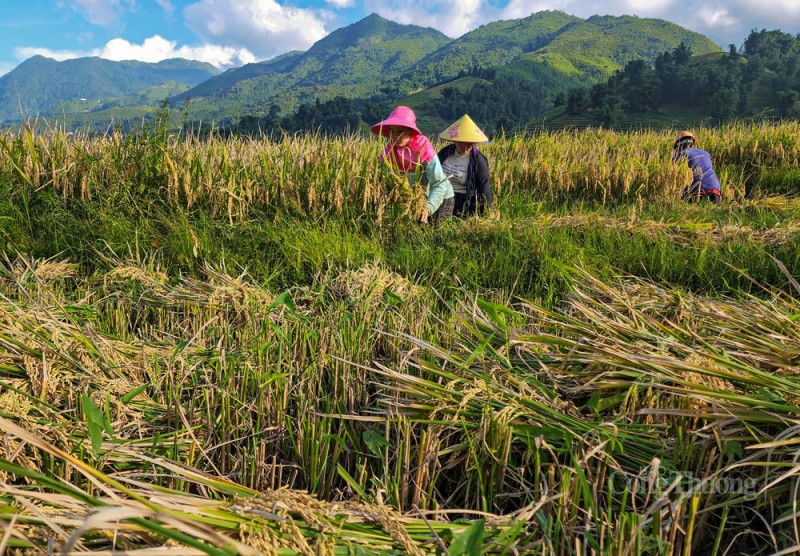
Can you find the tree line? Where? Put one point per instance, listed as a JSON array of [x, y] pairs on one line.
[[763, 78]]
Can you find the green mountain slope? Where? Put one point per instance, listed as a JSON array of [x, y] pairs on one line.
[[543, 55], [351, 61], [597, 47], [761, 81], [384, 61], [41, 85], [491, 45], [379, 61], [151, 96], [501, 98], [227, 79], [592, 48]]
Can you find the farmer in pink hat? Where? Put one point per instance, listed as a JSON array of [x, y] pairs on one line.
[[412, 153]]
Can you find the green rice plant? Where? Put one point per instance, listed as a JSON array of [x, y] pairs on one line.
[[128, 431], [606, 422], [130, 514], [630, 402]]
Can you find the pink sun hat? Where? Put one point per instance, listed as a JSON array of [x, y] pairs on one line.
[[401, 116]]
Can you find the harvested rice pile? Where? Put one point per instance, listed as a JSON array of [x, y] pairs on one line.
[[372, 283]]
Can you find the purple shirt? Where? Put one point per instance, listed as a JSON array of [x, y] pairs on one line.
[[702, 171]]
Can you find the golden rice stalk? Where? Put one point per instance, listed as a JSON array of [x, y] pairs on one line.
[[369, 284]]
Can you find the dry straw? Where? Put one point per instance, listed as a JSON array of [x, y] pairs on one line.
[[371, 283]]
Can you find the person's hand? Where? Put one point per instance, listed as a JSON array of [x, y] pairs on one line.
[[424, 217]]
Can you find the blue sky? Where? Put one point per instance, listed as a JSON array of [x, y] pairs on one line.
[[230, 33]]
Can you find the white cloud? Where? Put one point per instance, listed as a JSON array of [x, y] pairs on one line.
[[646, 7], [25, 52], [98, 12], [166, 5], [717, 17], [263, 27], [587, 8], [156, 48], [451, 17], [341, 3], [153, 49], [730, 21]]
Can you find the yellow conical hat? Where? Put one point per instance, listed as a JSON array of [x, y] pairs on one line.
[[464, 129]]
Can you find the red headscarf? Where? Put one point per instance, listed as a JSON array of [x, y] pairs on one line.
[[410, 157]]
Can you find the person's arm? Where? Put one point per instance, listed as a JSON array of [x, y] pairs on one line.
[[438, 185], [483, 186], [697, 169]]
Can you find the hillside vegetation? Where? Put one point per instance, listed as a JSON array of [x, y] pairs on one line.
[[760, 81], [680, 89], [371, 61], [495, 44], [351, 62], [42, 86], [592, 49]]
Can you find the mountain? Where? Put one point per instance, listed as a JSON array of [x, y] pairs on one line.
[[597, 47], [41, 85], [226, 80], [533, 60], [352, 61], [378, 59], [491, 45], [371, 61], [759, 82], [592, 48]]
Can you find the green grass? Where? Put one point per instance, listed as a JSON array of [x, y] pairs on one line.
[[521, 254]]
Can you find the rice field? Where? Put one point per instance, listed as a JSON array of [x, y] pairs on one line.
[[233, 346]]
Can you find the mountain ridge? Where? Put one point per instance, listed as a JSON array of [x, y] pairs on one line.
[[43, 85], [371, 46], [378, 60], [596, 47]]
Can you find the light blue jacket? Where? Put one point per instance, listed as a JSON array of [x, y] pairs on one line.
[[437, 186]]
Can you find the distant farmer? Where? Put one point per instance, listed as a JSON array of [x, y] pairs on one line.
[[705, 184], [466, 167], [412, 153]]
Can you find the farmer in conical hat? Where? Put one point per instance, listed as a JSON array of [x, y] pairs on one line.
[[705, 184], [411, 152], [466, 167]]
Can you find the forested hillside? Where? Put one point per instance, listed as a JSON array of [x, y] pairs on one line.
[[42, 86], [532, 58], [505, 74], [761, 80], [353, 61]]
